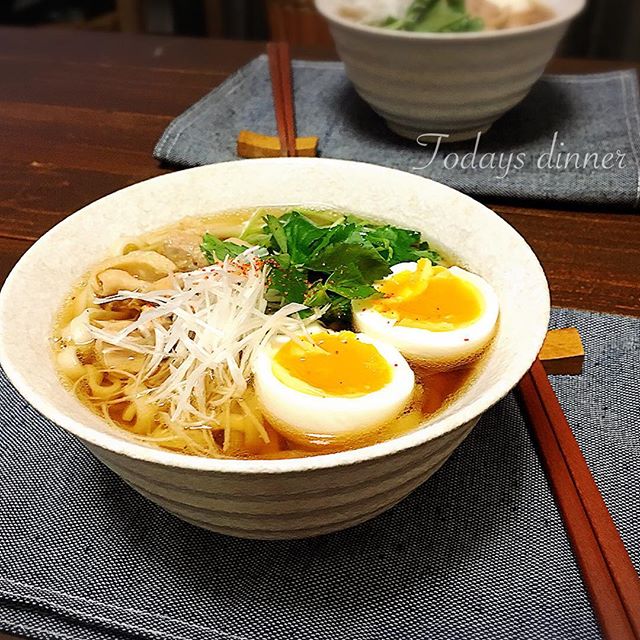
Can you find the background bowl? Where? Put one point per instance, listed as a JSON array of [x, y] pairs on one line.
[[456, 84], [275, 499]]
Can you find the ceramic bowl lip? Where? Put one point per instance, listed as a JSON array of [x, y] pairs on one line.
[[116, 444], [467, 36]]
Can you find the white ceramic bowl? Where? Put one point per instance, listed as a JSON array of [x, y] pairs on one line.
[[457, 84], [275, 498]]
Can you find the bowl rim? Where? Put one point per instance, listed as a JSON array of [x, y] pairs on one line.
[[112, 442], [331, 17]]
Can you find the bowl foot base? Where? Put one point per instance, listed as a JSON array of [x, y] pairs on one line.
[[412, 133]]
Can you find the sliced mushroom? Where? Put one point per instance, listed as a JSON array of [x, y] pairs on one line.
[[135, 271]]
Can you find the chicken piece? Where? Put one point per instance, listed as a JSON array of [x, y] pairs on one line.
[[183, 249]]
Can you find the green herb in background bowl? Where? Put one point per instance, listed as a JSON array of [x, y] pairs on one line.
[[435, 16]]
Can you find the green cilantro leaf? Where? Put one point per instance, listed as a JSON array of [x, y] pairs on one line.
[[216, 249], [277, 231], [364, 258], [349, 282], [323, 259], [288, 282], [301, 235]]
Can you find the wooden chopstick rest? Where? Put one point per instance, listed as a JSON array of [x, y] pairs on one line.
[[562, 352], [257, 145], [287, 143]]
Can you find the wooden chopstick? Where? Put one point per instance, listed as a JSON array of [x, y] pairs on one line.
[[289, 104], [283, 99], [608, 574], [615, 554]]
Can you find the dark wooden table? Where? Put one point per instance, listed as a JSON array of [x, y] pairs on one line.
[[81, 112]]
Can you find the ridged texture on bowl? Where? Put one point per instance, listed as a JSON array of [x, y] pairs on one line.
[[273, 506], [445, 85], [275, 498]]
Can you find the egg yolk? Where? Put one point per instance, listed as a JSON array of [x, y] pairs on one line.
[[429, 298], [336, 364]]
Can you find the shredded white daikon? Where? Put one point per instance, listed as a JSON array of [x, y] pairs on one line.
[[209, 329]]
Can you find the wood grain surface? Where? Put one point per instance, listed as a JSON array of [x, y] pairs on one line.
[[80, 114]]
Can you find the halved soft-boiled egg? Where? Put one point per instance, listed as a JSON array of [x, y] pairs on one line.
[[434, 316], [331, 385]]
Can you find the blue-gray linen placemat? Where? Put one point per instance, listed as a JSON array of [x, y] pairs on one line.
[[575, 138], [479, 551]]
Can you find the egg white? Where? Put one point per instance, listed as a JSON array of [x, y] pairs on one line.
[[441, 349], [302, 416]]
